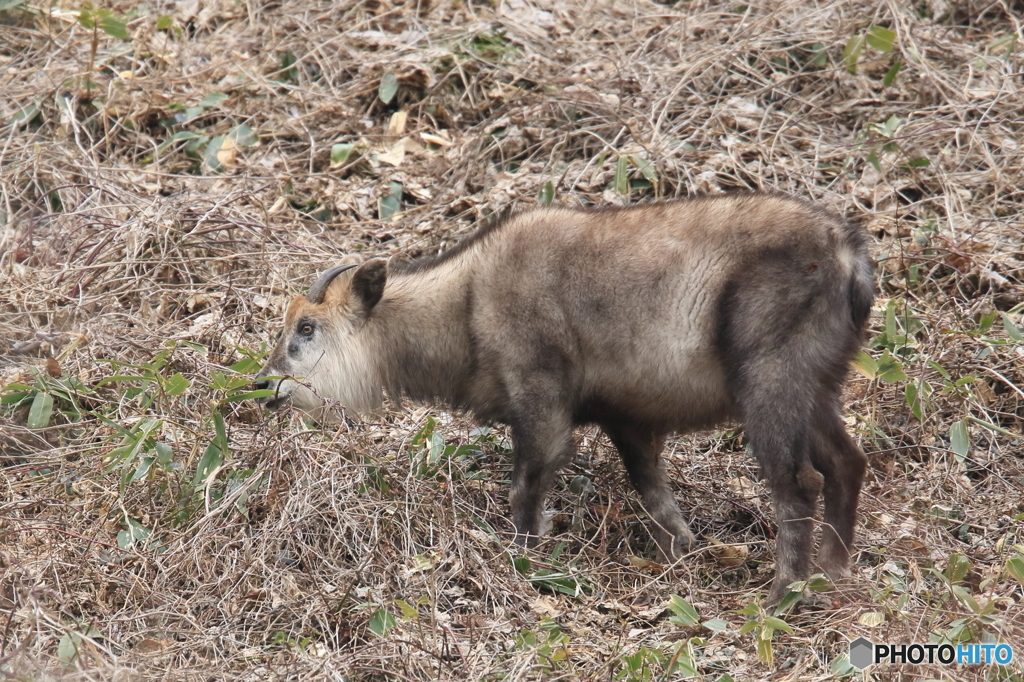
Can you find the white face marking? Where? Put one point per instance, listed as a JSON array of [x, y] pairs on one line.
[[324, 357]]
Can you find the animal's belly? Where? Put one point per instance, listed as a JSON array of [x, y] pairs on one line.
[[676, 393]]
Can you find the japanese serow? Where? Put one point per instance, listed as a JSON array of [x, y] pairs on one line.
[[646, 321]]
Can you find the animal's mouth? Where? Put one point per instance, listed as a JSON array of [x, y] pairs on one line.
[[273, 403]]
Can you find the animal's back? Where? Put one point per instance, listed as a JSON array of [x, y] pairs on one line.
[[624, 304]]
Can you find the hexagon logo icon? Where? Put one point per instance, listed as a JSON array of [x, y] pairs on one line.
[[861, 651]]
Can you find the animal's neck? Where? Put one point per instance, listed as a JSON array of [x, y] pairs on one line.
[[425, 333]]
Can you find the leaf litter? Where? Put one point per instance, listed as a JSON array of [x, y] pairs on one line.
[[169, 179]]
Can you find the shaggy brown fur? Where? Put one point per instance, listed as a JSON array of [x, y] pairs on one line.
[[646, 320]]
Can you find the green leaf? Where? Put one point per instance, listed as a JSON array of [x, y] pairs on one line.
[[871, 618], [522, 564], [841, 666], [387, 207], [1015, 567], [716, 625], [67, 649], [135, 532], [558, 581], [880, 38], [221, 430], [622, 175], [547, 193], [176, 384], [965, 596], [39, 413], [245, 366], [381, 621], [890, 321], [144, 466], [940, 369], [778, 624], [819, 583], [340, 154], [890, 75], [851, 53], [24, 116], [210, 155], [288, 72], [889, 368], [1011, 329], [956, 567], [17, 386], [212, 458], [164, 454], [212, 99], [985, 323], [114, 25], [409, 612], [872, 158], [250, 395], [190, 114], [243, 135], [85, 18], [916, 396], [645, 168], [164, 22], [14, 398], [1007, 44], [684, 612], [891, 125], [388, 88], [176, 137], [959, 442], [764, 651], [789, 601], [748, 626], [865, 365]]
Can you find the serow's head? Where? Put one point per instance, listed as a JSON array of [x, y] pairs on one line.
[[325, 352]]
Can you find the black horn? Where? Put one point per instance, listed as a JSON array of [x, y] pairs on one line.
[[317, 291]]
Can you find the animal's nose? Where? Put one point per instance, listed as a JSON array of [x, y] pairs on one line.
[[262, 384]]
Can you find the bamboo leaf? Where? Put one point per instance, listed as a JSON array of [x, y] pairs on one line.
[[959, 442], [388, 88], [212, 99], [1015, 567], [684, 612], [851, 53], [880, 38], [115, 26], [622, 176], [39, 413], [890, 75], [865, 365]]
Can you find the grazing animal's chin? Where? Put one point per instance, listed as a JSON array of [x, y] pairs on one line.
[[273, 404]]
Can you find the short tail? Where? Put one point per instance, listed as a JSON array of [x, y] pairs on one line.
[[861, 291]]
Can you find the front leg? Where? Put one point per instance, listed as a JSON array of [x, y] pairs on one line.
[[542, 444]]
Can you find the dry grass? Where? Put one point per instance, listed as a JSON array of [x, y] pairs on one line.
[[274, 566]]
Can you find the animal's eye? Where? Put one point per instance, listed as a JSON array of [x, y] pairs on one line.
[[306, 329]]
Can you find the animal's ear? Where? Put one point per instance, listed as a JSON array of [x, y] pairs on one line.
[[368, 283]]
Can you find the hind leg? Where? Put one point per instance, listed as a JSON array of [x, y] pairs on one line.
[[775, 416], [640, 450], [835, 454]]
